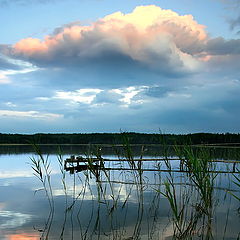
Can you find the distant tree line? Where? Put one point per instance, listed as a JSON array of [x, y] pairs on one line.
[[119, 138]]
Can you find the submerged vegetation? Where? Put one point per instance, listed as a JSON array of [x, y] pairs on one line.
[[173, 195]]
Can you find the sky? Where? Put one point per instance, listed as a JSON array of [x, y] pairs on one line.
[[69, 66]]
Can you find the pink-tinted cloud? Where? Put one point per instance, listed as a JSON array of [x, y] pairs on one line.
[[31, 46], [148, 35]]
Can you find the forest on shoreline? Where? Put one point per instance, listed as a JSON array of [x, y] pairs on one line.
[[119, 138]]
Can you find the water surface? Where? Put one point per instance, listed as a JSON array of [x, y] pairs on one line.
[[124, 205]]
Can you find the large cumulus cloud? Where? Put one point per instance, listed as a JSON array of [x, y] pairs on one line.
[[149, 36], [148, 43]]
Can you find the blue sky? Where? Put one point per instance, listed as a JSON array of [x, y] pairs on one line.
[[102, 66]]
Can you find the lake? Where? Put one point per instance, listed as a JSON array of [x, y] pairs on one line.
[[121, 199]]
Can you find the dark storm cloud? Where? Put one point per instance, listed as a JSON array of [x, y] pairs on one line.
[[8, 63], [235, 5], [107, 97], [111, 72], [214, 107], [158, 91], [220, 46], [235, 23], [102, 55], [234, 18]]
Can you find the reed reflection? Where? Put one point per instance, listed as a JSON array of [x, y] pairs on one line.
[[114, 199]]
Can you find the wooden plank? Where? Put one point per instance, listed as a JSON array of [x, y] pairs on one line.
[[76, 160], [96, 167]]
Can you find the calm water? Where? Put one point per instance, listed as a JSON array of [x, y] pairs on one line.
[[123, 205]]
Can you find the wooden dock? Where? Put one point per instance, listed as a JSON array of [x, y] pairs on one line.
[[79, 163]]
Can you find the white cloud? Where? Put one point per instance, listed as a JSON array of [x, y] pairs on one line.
[[128, 94], [85, 96], [22, 68], [29, 114], [42, 98], [10, 104], [3, 78], [95, 96]]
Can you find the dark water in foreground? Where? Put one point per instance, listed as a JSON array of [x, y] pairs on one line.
[[122, 205]]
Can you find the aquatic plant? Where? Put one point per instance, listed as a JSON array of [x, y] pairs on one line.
[[200, 170], [236, 181], [191, 201], [41, 168]]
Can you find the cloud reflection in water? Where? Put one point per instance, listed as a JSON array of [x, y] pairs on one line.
[[10, 219]]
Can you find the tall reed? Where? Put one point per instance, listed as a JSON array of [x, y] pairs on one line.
[[41, 169]]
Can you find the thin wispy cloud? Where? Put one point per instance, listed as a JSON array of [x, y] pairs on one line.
[[29, 114]]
